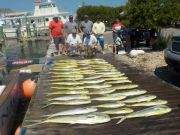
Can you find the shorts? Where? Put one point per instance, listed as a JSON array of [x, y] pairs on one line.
[[57, 41]]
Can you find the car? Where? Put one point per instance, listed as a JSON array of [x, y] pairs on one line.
[[172, 53]]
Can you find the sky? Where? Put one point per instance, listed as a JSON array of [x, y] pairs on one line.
[[65, 5]]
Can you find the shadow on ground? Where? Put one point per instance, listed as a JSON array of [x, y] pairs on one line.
[[168, 75]]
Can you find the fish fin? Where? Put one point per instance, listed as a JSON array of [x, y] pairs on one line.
[[118, 117], [45, 106], [121, 120], [35, 124]]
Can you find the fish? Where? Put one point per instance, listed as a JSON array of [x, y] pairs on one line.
[[93, 77], [65, 79], [64, 73], [69, 102], [118, 82], [92, 81], [66, 76], [69, 92], [151, 111], [98, 86], [109, 98], [119, 111], [113, 75], [111, 105], [108, 73], [90, 118], [151, 103], [71, 97], [142, 98], [79, 110], [67, 83], [134, 92], [114, 78], [124, 87], [65, 69], [68, 87], [101, 91]]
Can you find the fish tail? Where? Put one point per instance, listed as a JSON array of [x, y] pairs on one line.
[[121, 120], [35, 124]]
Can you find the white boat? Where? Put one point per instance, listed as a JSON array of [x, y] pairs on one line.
[[32, 21]]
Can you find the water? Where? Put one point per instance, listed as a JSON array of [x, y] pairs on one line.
[[26, 50]]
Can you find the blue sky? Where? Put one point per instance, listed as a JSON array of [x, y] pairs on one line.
[[67, 5]]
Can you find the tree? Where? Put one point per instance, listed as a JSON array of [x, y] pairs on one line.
[[153, 13]]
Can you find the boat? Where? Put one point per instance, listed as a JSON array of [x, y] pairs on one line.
[[28, 24]]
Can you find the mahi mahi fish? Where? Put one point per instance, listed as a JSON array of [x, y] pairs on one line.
[[151, 111], [118, 82], [65, 98], [92, 81], [124, 87], [101, 91], [68, 92], [111, 105], [67, 83], [142, 98], [130, 92], [119, 111], [98, 86], [151, 103], [79, 110], [109, 98], [70, 102], [65, 76], [90, 118], [68, 87], [65, 79], [115, 78]]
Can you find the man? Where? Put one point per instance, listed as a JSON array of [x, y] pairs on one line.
[[86, 25], [74, 42], [70, 25], [99, 29], [90, 43], [56, 28]]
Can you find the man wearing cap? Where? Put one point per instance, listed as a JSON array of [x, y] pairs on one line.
[[86, 25], [56, 28], [99, 29], [74, 42], [90, 43], [70, 25]]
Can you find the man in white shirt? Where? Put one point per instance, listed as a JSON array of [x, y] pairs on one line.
[[90, 43], [74, 42], [99, 29]]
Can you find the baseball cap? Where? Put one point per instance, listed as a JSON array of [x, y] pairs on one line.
[[86, 16], [88, 33]]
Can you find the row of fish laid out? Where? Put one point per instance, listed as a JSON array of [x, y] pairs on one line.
[[114, 101], [88, 90], [90, 116]]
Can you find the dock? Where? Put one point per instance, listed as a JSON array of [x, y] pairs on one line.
[[166, 124]]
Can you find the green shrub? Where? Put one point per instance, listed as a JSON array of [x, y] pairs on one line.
[[161, 43]]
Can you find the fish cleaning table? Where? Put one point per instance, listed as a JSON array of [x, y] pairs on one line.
[[166, 124]]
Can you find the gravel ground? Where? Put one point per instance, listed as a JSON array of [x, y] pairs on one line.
[[148, 61]]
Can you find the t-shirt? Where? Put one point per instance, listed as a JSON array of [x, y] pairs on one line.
[[98, 28], [69, 26], [86, 26], [56, 28], [117, 26], [73, 40], [90, 41]]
